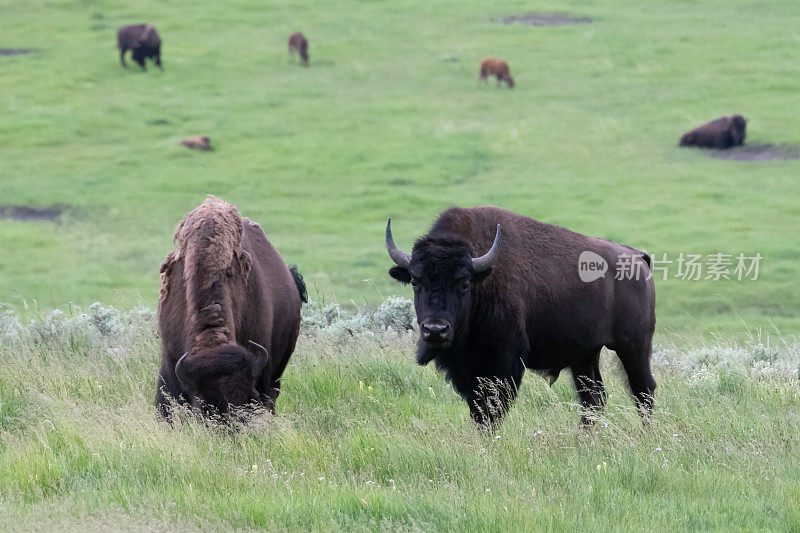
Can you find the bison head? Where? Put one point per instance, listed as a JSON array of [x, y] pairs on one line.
[[218, 380], [442, 272], [738, 129]]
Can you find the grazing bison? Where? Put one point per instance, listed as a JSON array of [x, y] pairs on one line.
[[298, 44], [497, 68], [197, 142], [143, 40], [523, 304], [229, 313], [724, 132]]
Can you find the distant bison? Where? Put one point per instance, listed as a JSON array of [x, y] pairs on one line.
[[298, 44], [724, 132], [526, 303], [497, 68], [197, 142], [143, 40], [228, 314]]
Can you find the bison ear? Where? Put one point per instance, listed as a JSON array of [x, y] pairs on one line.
[[166, 272], [166, 266], [400, 274], [245, 263], [480, 276]]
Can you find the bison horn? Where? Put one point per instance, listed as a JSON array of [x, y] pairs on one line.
[[485, 262], [400, 258], [183, 376], [261, 360]]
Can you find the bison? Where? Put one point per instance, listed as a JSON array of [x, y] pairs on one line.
[[228, 313], [143, 40], [497, 68], [298, 44], [523, 304], [197, 142], [724, 132]]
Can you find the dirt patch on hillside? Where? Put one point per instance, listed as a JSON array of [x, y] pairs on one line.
[[16, 51], [758, 152], [27, 213], [545, 19]]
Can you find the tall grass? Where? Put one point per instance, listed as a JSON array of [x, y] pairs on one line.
[[365, 439]]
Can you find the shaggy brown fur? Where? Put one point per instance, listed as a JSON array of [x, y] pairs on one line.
[[143, 40], [298, 44], [223, 289], [497, 68], [529, 310], [725, 132], [197, 142]]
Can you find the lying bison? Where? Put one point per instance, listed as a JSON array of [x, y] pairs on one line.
[[197, 142], [298, 44], [143, 40], [724, 132], [497, 68], [523, 304], [229, 313]]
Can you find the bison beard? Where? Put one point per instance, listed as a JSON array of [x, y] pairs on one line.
[[524, 307], [229, 314]]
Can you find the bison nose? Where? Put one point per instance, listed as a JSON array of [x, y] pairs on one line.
[[433, 331]]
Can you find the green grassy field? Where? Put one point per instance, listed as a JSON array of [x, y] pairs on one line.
[[384, 122], [389, 120], [366, 440]]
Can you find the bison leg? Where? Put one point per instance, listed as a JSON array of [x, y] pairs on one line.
[[272, 396], [139, 56], [490, 398], [167, 390], [636, 361], [589, 384], [490, 401], [122, 56], [158, 57]]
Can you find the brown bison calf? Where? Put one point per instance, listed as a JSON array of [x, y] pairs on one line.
[[197, 142], [298, 44], [497, 68], [143, 40], [724, 132]]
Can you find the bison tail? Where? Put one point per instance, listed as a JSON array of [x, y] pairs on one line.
[[298, 281]]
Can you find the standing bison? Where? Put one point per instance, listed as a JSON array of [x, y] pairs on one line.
[[497, 68], [229, 313], [298, 44], [725, 132], [143, 40], [523, 304]]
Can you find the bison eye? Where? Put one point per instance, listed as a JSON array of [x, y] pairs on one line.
[[465, 286], [414, 283]]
